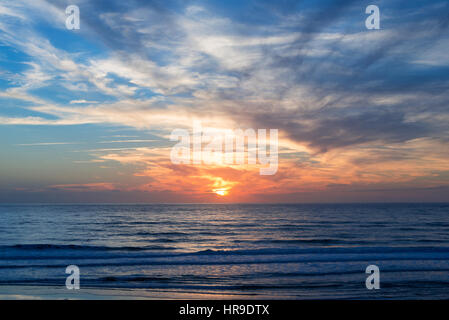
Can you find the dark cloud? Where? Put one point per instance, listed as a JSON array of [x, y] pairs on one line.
[[335, 132], [356, 70]]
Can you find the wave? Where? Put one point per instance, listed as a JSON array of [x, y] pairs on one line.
[[57, 256], [354, 249], [79, 247], [35, 249], [255, 282], [274, 268]]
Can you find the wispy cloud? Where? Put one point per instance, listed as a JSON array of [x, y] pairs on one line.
[[45, 143], [82, 101]]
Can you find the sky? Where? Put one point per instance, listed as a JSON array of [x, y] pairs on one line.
[[86, 115]]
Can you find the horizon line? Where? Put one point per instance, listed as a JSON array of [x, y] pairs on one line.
[[215, 203]]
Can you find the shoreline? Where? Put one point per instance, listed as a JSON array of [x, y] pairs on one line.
[[29, 292]]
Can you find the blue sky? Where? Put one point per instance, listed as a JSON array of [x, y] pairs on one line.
[[85, 114]]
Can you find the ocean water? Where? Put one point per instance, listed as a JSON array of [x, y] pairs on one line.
[[244, 251]]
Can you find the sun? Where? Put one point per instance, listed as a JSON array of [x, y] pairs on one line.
[[221, 192], [221, 187]]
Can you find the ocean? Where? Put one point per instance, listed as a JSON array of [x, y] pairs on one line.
[[244, 251]]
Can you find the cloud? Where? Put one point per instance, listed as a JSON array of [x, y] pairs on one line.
[[82, 101], [85, 187], [45, 143], [353, 106]]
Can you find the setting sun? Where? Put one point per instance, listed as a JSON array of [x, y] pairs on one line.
[[221, 192]]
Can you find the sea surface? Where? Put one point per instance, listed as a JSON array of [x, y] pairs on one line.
[[245, 251]]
